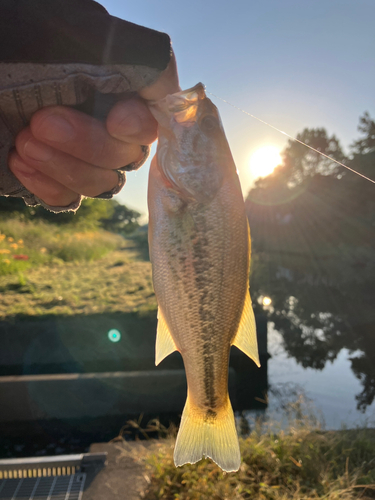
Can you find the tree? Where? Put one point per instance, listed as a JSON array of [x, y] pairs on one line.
[[122, 220], [302, 163], [367, 143], [312, 233], [93, 213]]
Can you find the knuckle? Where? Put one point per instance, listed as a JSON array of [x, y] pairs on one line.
[[22, 138], [39, 116], [99, 153]]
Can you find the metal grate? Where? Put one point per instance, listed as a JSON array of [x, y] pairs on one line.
[[44, 488], [48, 478]]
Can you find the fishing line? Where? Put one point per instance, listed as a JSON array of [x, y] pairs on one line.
[[291, 137]]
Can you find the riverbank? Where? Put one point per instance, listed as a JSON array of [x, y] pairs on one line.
[[49, 271], [300, 463]]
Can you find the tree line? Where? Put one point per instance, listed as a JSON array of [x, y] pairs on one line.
[[92, 214]]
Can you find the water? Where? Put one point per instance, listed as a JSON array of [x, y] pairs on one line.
[[327, 396], [313, 257], [331, 391]]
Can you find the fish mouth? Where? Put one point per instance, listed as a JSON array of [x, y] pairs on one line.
[[186, 144], [182, 98], [181, 106]]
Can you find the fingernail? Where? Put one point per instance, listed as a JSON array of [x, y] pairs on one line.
[[130, 125], [22, 167], [57, 129], [37, 150]]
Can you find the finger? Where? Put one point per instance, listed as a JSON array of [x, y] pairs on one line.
[[83, 137], [49, 190], [131, 121], [74, 174]]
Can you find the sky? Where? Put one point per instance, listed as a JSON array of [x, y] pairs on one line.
[[292, 63]]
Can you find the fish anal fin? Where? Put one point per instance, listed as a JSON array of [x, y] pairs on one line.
[[246, 336], [164, 342], [210, 434]]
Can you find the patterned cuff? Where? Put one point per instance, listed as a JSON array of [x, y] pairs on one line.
[[73, 207]]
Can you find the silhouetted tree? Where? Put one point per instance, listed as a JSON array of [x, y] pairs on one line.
[[312, 225], [367, 143]]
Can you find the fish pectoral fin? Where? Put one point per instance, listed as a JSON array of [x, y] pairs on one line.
[[208, 433], [164, 342], [246, 336]]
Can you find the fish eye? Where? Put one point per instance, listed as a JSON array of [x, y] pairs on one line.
[[209, 124]]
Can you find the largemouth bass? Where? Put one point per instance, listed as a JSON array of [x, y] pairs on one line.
[[199, 244]]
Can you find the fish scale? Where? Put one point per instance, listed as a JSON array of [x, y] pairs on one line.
[[200, 252]]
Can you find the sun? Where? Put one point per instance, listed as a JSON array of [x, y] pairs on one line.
[[264, 161]]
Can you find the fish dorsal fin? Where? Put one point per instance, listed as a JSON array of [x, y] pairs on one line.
[[164, 342], [246, 336]]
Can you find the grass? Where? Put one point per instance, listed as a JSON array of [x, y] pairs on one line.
[[117, 282], [25, 244], [301, 463], [69, 272]]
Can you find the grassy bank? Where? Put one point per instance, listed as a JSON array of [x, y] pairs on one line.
[[47, 269], [299, 464], [26, 244]]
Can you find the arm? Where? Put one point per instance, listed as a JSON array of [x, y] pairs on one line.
[[89, 158]]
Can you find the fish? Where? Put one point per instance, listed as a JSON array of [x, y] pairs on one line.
[[199, 245]]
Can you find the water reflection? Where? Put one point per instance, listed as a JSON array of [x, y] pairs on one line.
[[313, 257], [330, 391]]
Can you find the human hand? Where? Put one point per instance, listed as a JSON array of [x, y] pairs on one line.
[[65, 153]]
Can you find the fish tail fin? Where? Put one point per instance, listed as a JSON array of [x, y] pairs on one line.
[[208, 433]]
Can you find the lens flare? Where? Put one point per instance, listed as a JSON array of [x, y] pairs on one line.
[[114, 335], [267, 301]]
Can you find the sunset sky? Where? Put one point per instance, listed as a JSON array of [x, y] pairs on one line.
[[294, 64]]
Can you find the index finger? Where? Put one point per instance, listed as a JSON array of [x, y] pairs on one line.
[[83, 137]]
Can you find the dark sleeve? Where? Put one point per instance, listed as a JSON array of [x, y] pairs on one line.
[[68, 52]]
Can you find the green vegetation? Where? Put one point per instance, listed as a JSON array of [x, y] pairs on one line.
[[31, 236], [119, 281], [67, 264], [25, 244], [92, 214], [299, 464]]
